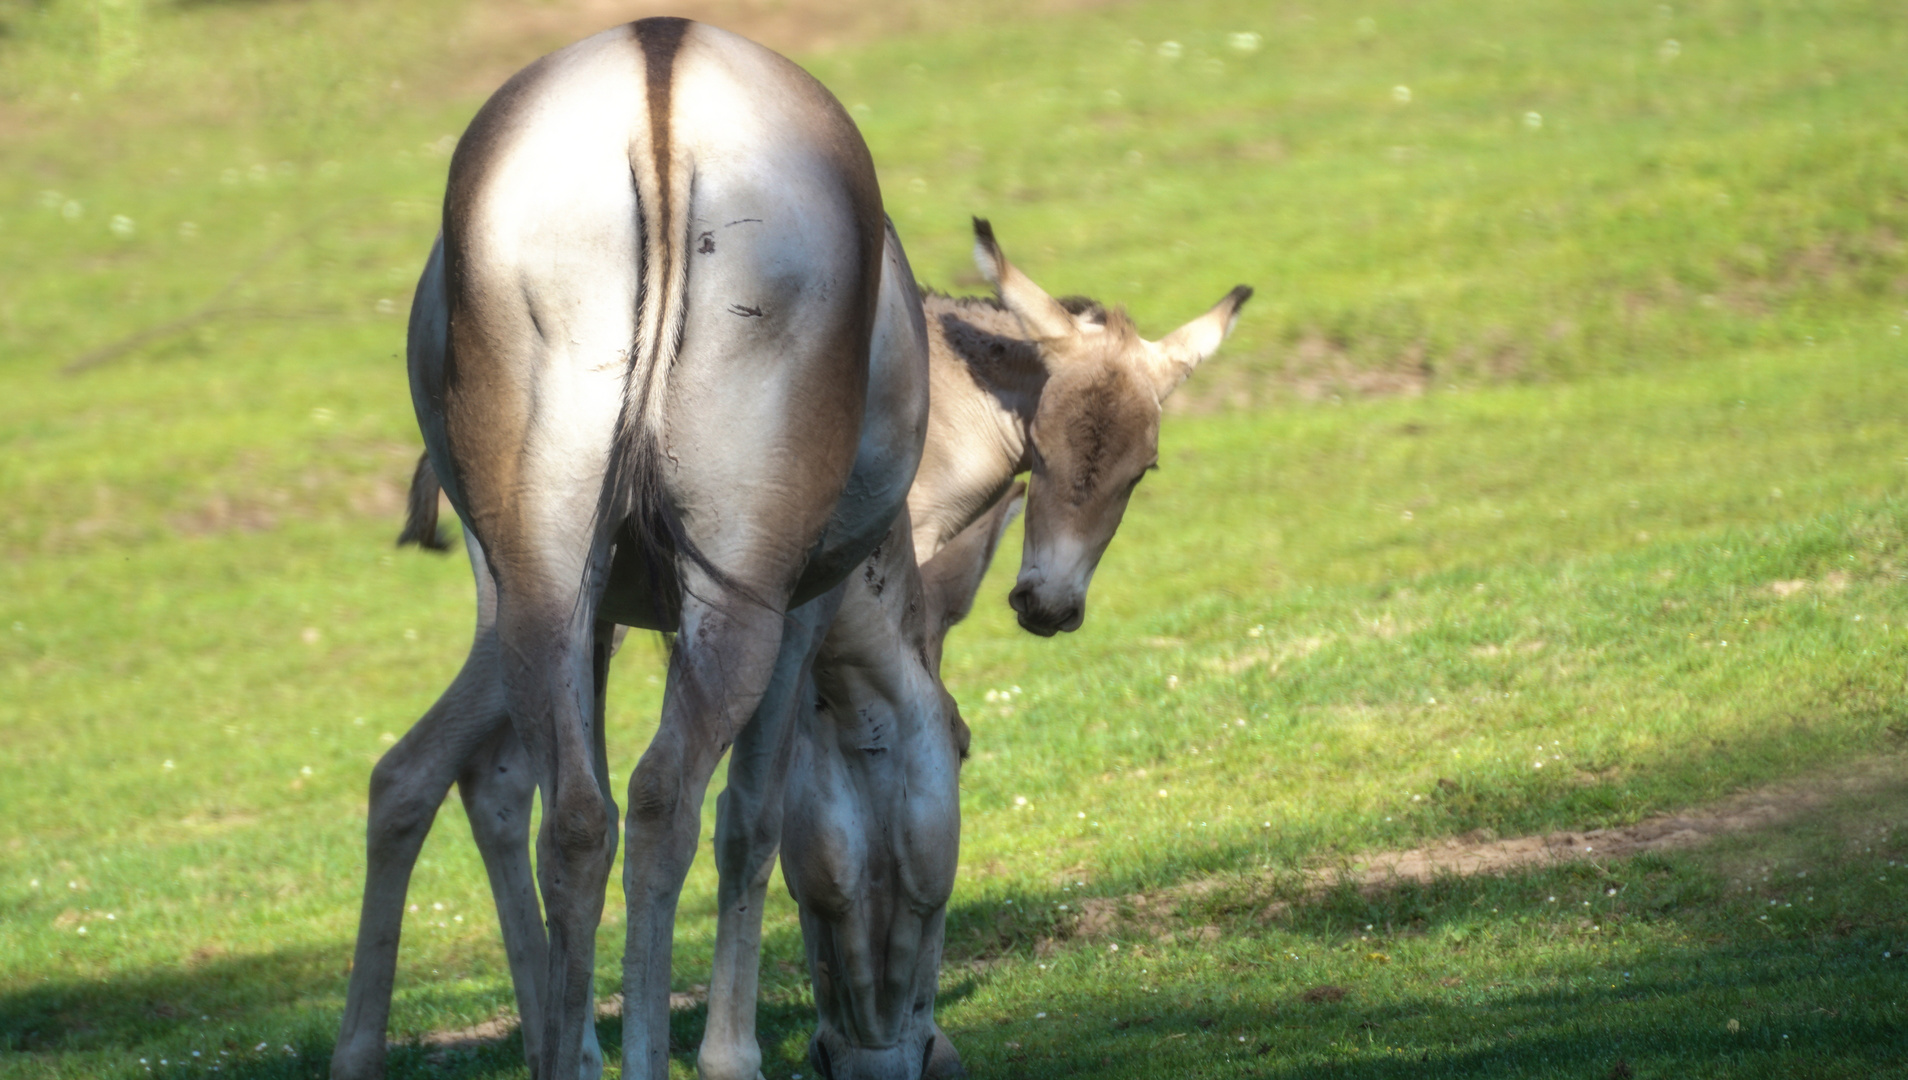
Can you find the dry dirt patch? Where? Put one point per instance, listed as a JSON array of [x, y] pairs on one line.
[[499, 1027], [1751, 811]]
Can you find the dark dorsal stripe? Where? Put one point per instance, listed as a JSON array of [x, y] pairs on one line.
[[661, 39]]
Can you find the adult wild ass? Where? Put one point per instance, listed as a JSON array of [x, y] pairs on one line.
[[670, 367], [1004, 402]]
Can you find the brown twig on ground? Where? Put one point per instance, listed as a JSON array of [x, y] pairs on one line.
[[214, 308]]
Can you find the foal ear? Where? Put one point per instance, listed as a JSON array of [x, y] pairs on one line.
[[1041, 314], [1180, 351], [952, 577]]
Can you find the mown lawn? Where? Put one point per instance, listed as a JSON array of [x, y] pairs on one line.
[[1551, 480]]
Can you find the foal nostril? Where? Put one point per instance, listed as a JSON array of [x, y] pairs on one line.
[[1020, 598]]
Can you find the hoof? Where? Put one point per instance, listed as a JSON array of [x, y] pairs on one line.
[[361, 1059], [943, 1061]]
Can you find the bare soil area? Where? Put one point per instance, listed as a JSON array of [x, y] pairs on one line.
[[1759, 810]]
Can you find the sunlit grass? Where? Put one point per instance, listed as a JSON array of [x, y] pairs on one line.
[[1647, 400]]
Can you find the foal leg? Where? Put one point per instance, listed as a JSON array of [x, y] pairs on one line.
[[748, 832], [407, 786]]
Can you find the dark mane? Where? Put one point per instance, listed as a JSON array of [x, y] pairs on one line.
[[1075, 305]]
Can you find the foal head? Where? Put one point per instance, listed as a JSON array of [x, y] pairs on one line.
[[1095, 432], [871, 832]]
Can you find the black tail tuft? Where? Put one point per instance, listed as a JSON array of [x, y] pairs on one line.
[[420, 515], [649, 527]]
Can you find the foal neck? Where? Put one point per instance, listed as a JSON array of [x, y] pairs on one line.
[[986, 379]]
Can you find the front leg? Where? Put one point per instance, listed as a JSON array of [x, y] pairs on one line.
[[748, 832]]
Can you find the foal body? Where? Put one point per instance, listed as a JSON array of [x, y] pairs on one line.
[[993, 415]]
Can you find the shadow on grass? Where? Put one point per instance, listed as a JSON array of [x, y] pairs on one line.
[[1798, 1013], [1558, 1010], [1723, 962]]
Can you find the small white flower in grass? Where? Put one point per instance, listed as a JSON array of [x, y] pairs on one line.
[[386, 307], [122, 226], [1081, 815], [437, 907], [1115, 947], [1255, 631], [195, 1053], [1162, 793], [1043, 1016], [1401, 95], [1020, 800], [1245, 41], [1417, 798], [1172, 681], [1537, 765], [1553, 899], [1169, 50], [306, 771], [1533, 120], [257, 1048], [387, 737], [168, 766], [82, 929]]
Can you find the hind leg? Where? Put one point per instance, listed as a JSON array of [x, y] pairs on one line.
[[748, 832], [497, 787]]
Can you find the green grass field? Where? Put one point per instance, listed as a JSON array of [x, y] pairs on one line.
[[1552, 480]]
